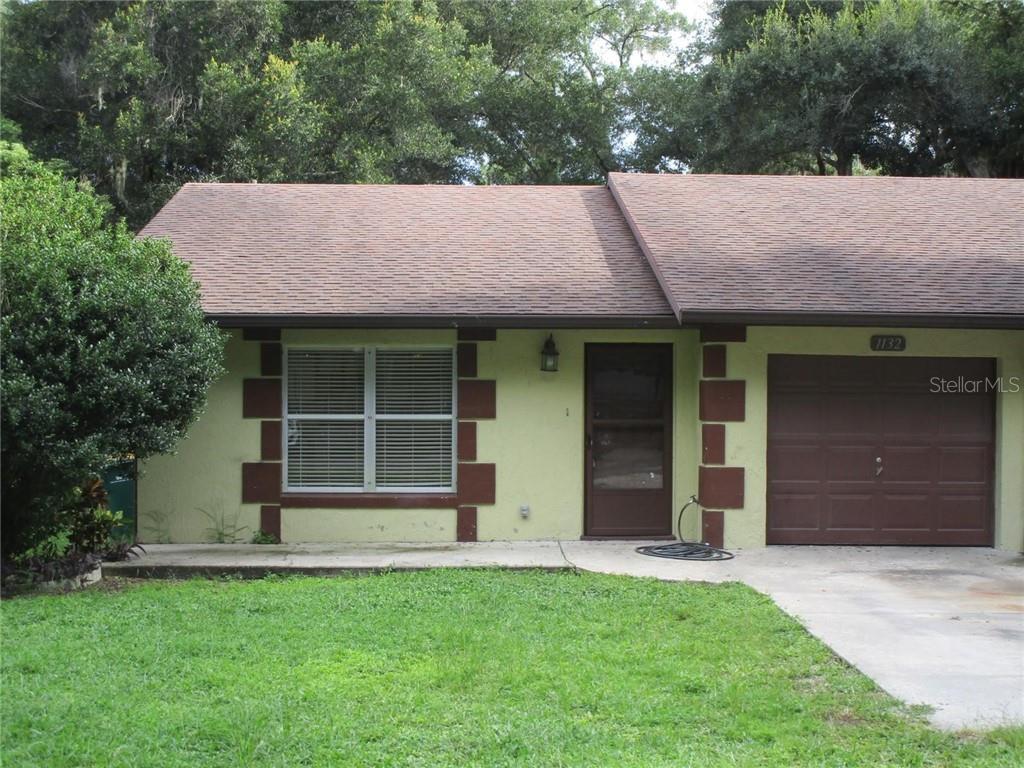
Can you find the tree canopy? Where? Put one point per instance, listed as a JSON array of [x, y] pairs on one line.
[[138, 97]]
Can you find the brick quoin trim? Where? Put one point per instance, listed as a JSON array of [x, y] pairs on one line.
[[261, 334], [712, 438], [261, 399], [713, 333], [261, 482], [270, 441], [712, 528], [476, 484], [477, 334], [721, 487], [466, 356], [723, 400], [270, 520], [270, 359], [467, 441], [465, 524], [714, 361], [477, 399]]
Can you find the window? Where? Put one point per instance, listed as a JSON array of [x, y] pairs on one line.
[[374, 419]]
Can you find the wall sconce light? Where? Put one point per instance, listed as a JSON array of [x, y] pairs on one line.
[[549, 355]]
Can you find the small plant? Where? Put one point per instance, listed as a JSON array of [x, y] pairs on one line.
[[262, 537], [158, 526], [224, 528], [123, 550]]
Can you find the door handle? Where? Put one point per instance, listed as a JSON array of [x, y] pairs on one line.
[[878, 466]]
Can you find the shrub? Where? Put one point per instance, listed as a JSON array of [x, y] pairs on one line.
[[105, 349]]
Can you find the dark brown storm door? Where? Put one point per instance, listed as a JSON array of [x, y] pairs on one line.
[[628, 440]]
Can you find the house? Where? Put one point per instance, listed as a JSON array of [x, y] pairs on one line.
[[819, 360]]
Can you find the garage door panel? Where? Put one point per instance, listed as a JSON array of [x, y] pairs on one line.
[[849, 416], [907, 463], [795, 372], [797, 463], [962, 512], [847, 374], [850, 512], [849, 463], [829, 418], [960, 418], [906, 512], [794, 416], [965, 464], [798, 511], [906, 418]]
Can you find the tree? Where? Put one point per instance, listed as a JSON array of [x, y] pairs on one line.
[[139, 97], [910, 87], [104, 349]]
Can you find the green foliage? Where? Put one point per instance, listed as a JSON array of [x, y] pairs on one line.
[[105, 349], [141, 96], [909, 87], [446, 668], [262, 537], [224, 527]]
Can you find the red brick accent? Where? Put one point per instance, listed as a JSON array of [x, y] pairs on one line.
[[261, 334], [270, 520], [261, 399], [723, 400], [466, 356], [713, 528], [476, 484], [465, 524], [467, 441], [712, 439], [720, 487], [477, 399], [723, 333], [477, 334], [369, 500], [261, 482], [270, 359], [270, 441], [714, 361]]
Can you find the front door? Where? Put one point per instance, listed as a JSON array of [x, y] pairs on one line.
[[629, 440]]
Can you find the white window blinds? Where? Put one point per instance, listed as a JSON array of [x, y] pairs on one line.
[[370, 419]]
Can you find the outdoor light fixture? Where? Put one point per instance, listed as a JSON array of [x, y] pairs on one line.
[[549, 355]]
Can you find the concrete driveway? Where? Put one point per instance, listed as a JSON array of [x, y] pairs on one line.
[[943, 627]]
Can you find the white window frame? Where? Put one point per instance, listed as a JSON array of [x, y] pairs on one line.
[[369, 418]]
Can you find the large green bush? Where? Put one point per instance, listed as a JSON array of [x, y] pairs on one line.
[[105, 350]]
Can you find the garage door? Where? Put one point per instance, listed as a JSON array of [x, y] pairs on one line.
[[861, 450]]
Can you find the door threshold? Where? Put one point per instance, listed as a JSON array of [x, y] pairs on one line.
[[662, 537]]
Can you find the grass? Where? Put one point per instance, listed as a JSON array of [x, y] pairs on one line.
[[445, 668]]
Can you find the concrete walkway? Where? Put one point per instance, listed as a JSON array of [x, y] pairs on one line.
[[942, 627]]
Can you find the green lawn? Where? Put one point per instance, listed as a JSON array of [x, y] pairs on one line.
[[444, 668]]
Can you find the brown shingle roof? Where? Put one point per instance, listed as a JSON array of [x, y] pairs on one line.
[[789, 247], [343, 251]]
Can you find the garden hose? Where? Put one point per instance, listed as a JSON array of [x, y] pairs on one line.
[[683, 549]]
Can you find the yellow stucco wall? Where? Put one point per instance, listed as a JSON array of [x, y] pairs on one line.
[[179, 493], [746, 442], [536, 442], [537, 439]]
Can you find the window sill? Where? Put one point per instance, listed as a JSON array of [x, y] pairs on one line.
[[370, 500]]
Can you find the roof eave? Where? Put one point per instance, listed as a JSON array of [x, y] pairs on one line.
[[240, 320], [856, 319]]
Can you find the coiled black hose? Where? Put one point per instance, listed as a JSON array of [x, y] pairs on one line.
[[683, 549]]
